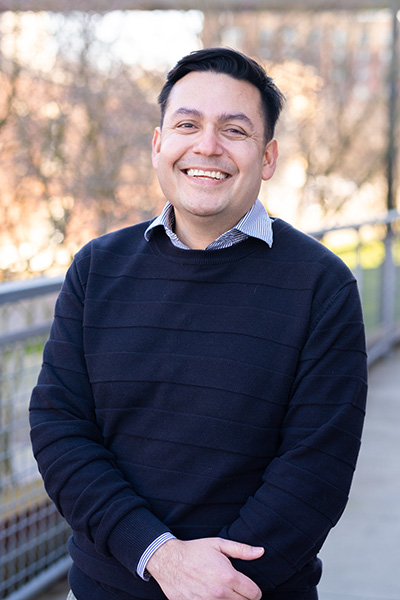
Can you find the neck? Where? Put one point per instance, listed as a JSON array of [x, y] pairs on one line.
[[199, 235], [194, 241], [199, 232]]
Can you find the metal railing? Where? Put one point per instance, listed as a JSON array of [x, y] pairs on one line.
[[32, 534], [372, 250]]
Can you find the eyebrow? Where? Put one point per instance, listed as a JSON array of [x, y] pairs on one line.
[[187, 111], [222, 118]]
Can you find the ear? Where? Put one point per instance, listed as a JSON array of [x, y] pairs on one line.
[[270, 158], [156, 146]]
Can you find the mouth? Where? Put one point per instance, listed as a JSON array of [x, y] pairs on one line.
[[218, 175]]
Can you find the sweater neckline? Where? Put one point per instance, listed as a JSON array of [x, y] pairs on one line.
[[236, 252]]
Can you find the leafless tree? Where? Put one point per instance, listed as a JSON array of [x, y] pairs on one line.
[[333, 68], [78, 140]]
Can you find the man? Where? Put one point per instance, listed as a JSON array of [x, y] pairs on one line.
[[198, 415]]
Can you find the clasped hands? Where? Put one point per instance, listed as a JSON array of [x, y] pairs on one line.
[[201, 570]]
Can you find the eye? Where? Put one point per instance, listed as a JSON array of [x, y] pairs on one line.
[[235, 132], [186, 126]]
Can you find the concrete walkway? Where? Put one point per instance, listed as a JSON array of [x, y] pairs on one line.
[[58, 591], [362, 553]]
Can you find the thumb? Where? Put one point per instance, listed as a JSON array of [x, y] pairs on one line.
[[241, 551]]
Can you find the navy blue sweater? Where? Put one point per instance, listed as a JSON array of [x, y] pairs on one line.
[[216, 393]]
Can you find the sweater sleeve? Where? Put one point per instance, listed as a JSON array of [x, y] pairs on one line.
[[79, 472], [305, 488]]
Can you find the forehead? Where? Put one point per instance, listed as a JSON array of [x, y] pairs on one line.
[[214, 93]]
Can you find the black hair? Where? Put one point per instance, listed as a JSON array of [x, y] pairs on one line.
[[237, 65]]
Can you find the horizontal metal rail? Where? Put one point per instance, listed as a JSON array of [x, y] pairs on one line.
[[13, 291], [389, 218]]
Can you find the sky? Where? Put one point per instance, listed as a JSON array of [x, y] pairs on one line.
[[152, 39]]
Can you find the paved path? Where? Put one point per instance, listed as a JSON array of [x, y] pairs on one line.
[[362, 554], [58, 592]]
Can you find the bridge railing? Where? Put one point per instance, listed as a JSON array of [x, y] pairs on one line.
[[32, 534], [372, 250]]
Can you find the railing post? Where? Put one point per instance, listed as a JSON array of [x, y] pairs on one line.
[[358, 270], [392, 148], [389, 290]]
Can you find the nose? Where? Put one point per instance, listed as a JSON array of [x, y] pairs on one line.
[[207, 143]]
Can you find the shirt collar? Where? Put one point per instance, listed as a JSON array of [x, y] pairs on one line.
[[255, 223]]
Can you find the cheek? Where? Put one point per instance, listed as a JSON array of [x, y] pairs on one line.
[[251, 168], [165, 174], [165, 158]]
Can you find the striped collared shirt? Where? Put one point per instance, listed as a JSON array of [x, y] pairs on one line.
[[255, 223]]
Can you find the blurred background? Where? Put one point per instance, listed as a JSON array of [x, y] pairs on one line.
[[78, 105], [78, 108]]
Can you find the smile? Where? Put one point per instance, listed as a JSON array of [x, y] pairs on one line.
[[209, 174]]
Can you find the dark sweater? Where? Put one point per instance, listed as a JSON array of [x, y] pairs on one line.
[[216, 393]]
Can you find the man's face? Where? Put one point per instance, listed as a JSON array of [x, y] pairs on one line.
[[211, 153]]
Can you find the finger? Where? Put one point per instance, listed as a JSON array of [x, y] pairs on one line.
[[241, 551], [237, 596], [246, 588]]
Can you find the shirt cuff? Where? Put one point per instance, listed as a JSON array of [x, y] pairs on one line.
[[148, 553]]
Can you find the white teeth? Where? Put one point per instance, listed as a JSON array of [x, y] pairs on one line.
[[211, 174]]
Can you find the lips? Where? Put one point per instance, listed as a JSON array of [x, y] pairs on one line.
[[205, 173]]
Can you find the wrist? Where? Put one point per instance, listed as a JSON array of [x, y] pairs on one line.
[[158, 561], [141, 569]]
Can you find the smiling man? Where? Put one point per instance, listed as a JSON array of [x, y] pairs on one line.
[[211, 154], [198, 415]]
